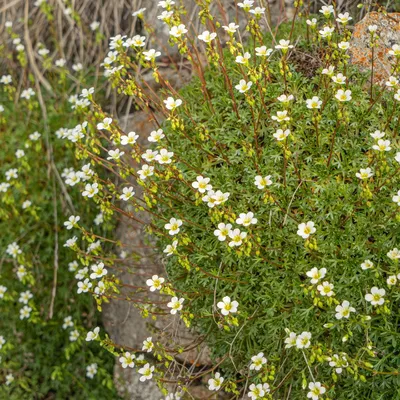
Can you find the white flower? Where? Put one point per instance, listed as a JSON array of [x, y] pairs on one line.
[[165, 15], [93, 335], [303, 341], [99, 219], [150, 155], [86, 93], [344, 310], [127, 360], [223, 231], [216, 382], [26, 204], [262, 182], [4, 186], [127, 193], [94, 246], [326, 289], [391, 280], [340, 79], [283, 98], [171, 104], [284, 45], [166, 3], [82, 273], [164, 157], [98, 271], [263, 51], [243, 86], [11, 174], [219, 197], [156, 136], [313, 103], [77, 67], [372, 28], [394, 254], [231, 28], [328, 71], [173, 226], [364, 173], [25, 312], [306, 229], [246, 219], [338, 362], [83, 287], [258, 391], [207, 37], [100, 288], [175, 305], [326, 32], [258, 11], [316, 274], [291, 340], [281, 116], [6, 79], [257, 362], [72, 221], [68, 322], [145, 172], [94, 25], [227, 306], [138, 12], [344, 18], [178, 31], [396, 198], [281, 134], [3, 290], [74, 335], [146, 372], [170, 249], [312, 22], [24, 297], [19, 153], [106, 124], [316, 390], [91, 370], [395, 50], [13, 250], [367, 264], [9, 379], [43, 52], [237, 237], [376, 296], [342, 95], [90, 190], [148, 345], [202, 184], [60, 62], [326, 10], [155, 283], [115, 154], [2, 342], [393, 81], [21, 272], [382, 145], [377, 134], [244, 59]]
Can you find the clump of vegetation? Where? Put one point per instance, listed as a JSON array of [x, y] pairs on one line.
[[43, 351]]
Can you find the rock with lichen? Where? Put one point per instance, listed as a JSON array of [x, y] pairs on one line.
[[388, 30]]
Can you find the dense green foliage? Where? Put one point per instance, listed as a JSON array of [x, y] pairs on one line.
[[38, 352], [355, 220]]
